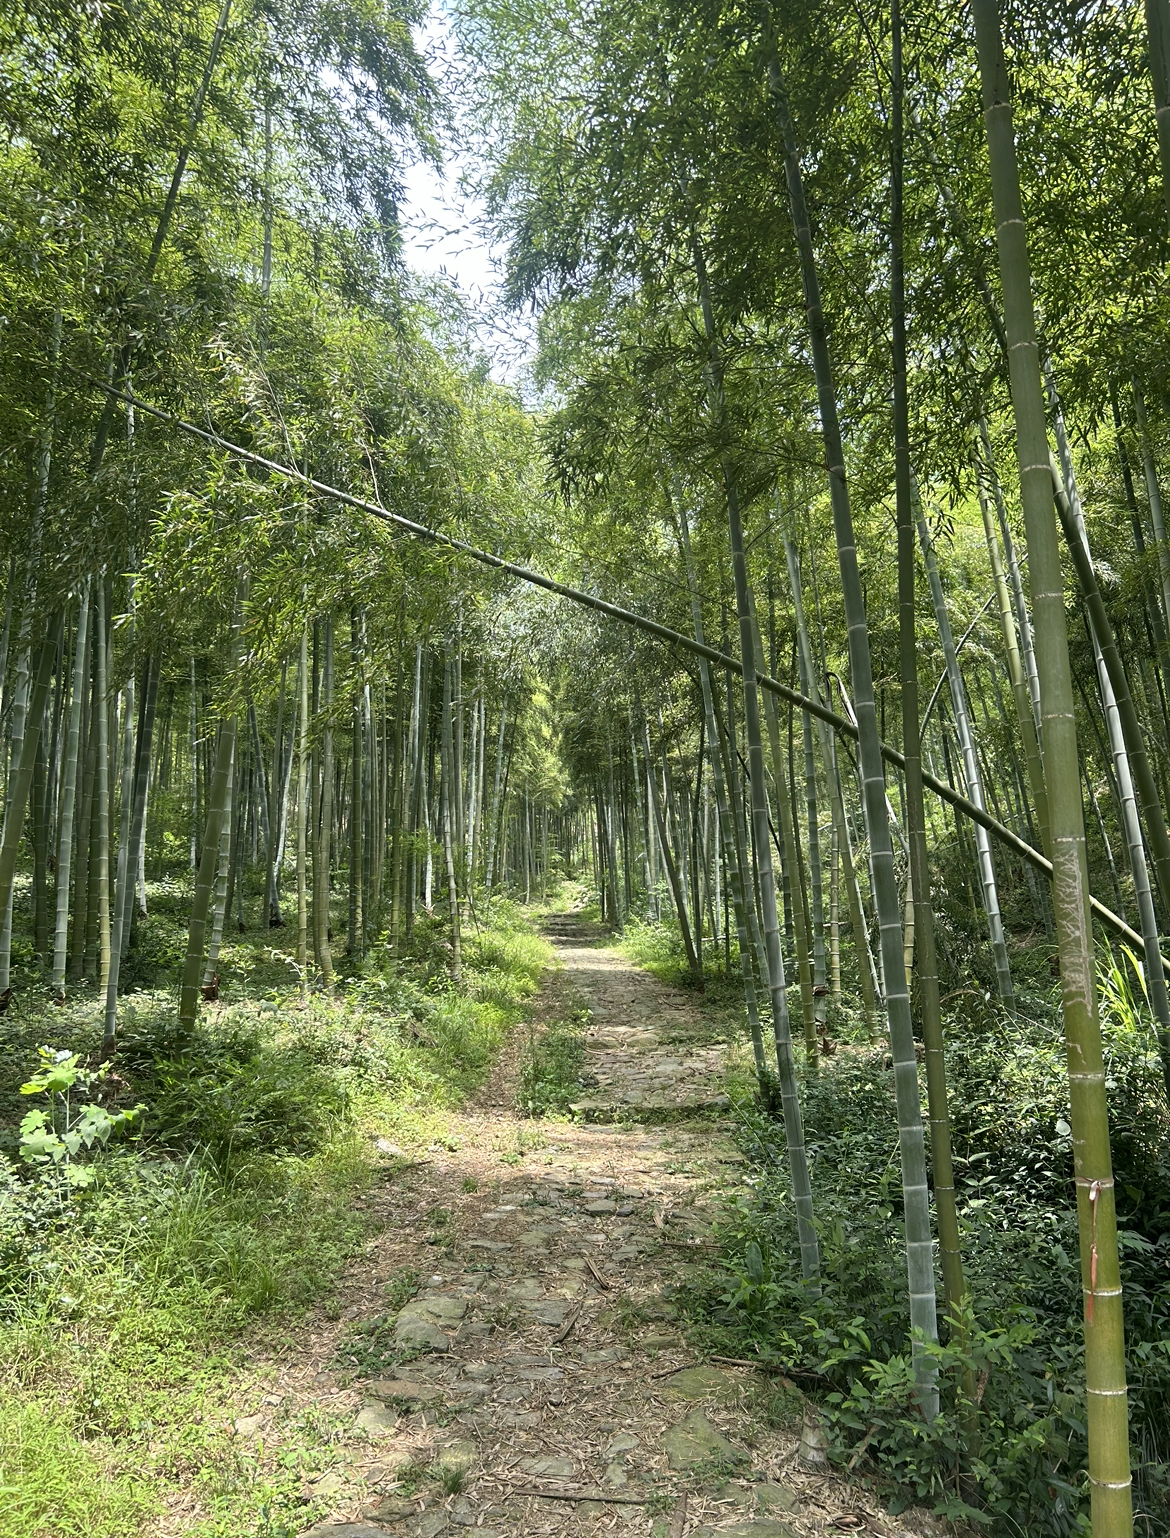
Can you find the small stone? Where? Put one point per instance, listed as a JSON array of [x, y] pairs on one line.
[[615, 1475], [624, 1209], [699, 1383], [600, 1209], [659, 1342], [694, 1440], [388, 1149], [480, 1372], [407, 1389], [461, 1512], [523, 1418], [248, 1425], [548, 1467], [607, 1354], [624, 1442], [494, 1245], [538, 1374]]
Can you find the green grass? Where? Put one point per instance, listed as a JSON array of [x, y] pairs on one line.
[[128, 1309]]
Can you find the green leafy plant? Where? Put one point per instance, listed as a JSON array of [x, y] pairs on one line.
[[64, 1137]]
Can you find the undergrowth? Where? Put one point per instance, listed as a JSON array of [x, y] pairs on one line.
[[228, 1206], [1008, 1454]]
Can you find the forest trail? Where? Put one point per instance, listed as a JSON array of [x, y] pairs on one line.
[[544, 1356]]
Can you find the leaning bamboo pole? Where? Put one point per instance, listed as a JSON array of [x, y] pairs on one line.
[[816, 708]]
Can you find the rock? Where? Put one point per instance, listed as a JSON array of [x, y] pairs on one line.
[[406, 1389], [495, 1245], [550, 1311], [249, 1425], [548, 1467], [459, 1453], [345, 1530], [776, 1498], [330, 1483], [624, 1209], [538, 1374], [393, 1508], [439, 1307], [429, 1525], [764, 1528], [608, 1354], [420, 1335], [694, 1440], [600, 1209], [424, 1323], [466, 1396], [535, 1238], [512, 1393], [518, 1418], [699, 1383], [461, 1513], [624, 1442], [658, 1342], [388, 1149], [616, 1476], [376, 1420], [480, 1372], [526, 1289]]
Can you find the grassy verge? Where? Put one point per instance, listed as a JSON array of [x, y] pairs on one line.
[[126, 1303]]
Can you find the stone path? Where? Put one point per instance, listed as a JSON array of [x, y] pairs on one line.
[[537, 1381]]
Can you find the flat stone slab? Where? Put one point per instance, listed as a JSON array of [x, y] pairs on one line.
[[765, 1497], [764, 1528], [423, 1324], [600, 1209], [694, 1440], [699, 1383], [547, 1468], [459, 1453], [407, 1389], [550, 1311], [345, 1530]]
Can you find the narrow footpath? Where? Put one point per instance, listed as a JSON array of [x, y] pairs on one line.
[[536, 1381]]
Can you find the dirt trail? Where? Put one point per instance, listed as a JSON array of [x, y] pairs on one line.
[[549, 1361]]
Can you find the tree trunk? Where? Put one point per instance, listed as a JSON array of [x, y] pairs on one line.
[[1109, 1473], [915, 1191]]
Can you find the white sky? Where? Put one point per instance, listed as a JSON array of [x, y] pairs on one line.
[[443, 235]]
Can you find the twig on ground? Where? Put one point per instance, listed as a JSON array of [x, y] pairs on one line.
[[579, 1495], [574, 1315], [670, 1371], [602, 1281]]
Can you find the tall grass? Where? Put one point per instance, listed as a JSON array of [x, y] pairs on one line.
[[123, 1308]]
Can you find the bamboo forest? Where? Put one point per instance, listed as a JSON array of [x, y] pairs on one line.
[[585, 861]]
